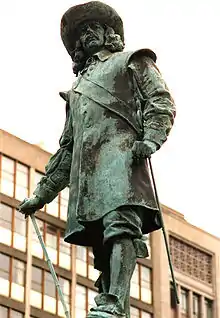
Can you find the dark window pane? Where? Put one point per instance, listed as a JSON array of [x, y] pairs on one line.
[[15, 314], [36, 283], [4, 266], [7, 176], [3, 312], [20, 224], [208, 308], [5, 213], [184, 301], [49, 287], [5, 224], [51, 236], [65, 286], [18, 272], [134, 312], [196, 305], [64, 246]]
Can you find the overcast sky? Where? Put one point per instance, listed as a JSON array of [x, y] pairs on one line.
[[34, 67]]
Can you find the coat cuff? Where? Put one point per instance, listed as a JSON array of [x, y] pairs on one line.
[[154, 135], [45, 191]]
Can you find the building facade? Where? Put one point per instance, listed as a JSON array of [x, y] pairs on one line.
[[26, 286]]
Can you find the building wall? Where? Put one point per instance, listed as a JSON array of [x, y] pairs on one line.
[[26, 288]]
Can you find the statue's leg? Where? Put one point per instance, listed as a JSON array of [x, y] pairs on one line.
[[122, 240], [122, 264], [114, 284]]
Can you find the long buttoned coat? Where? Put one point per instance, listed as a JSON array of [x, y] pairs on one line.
[[102, 124]]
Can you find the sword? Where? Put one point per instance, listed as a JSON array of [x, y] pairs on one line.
[[164, 232], [50, 265]]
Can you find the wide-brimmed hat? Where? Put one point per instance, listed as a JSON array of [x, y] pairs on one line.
[[87, 12]]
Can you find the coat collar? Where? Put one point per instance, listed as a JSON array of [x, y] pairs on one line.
[[103, 55]]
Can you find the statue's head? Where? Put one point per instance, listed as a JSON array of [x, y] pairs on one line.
[[89, 28]]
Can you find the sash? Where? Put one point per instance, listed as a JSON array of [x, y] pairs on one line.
[[106, 99]]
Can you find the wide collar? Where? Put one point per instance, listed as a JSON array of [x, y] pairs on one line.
[[103, 55]]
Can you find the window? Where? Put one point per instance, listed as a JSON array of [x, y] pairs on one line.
[[196, 306], [49, 293], [80, 302], [64, 252], [137, 313], [53, 207], [91, 298], [12, 277], [22, 175], [51, 242], [3, 312], [134, 312], [4, 274], [36, 287], [7, 176], [19, 232], [84, 300], [9, 313], [141, 284], [58, 250], [36, 247], [135, 292], [208, 308], [18, 280], [14, 178], [81, 260], [85, 263], [6, 213], [15, 314], [146, 288], [44, 294], [65, 287], [184, 301], [15, 236]]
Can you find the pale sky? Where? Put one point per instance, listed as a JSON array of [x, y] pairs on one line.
[[184, 34]]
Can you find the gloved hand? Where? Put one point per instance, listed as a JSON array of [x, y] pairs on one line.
[[143, 149], [30, 205]]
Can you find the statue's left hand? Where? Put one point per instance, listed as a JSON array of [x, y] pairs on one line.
[[143, 149], [31, 205]]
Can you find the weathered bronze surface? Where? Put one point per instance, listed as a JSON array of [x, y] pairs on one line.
[[118, 112]]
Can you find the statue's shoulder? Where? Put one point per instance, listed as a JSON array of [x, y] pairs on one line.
[[127, 57], [64, 95], [142, 53]]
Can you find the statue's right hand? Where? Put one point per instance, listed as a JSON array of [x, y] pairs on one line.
[[31, 205]]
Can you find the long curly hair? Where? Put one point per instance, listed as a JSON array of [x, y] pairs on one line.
[[113, 43]]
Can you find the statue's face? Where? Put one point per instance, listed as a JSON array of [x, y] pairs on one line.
[[92, 37]]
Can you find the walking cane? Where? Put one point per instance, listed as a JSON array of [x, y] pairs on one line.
[[164, 232], [50, 265]]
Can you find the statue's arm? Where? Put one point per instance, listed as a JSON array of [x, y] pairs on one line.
[[158, 105], [58, 168]]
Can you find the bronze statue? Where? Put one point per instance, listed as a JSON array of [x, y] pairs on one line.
[[118, 113]]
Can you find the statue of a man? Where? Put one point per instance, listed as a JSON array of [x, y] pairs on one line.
[[118, 112]]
